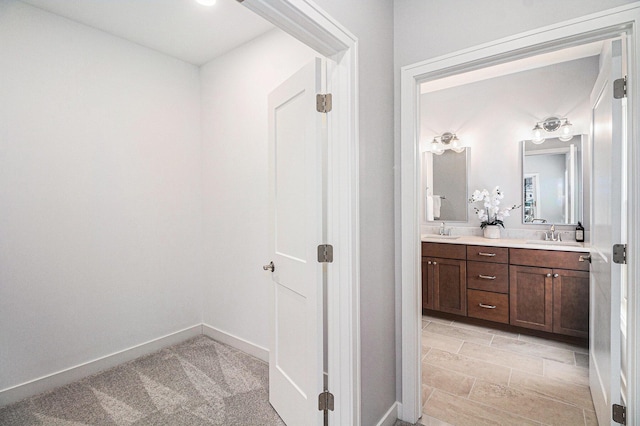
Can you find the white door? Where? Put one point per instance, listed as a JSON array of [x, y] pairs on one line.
[[296, 143], [608, 221]]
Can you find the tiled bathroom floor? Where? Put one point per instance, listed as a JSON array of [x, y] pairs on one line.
[[475, 375]]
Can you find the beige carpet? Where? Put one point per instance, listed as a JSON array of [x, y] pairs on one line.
[[198, 382]]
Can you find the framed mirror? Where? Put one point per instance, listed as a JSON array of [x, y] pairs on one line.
[[445, 184], [552, 181]]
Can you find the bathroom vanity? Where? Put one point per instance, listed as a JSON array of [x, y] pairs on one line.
[[522, 284]]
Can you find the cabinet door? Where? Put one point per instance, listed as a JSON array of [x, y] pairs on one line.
[[571, 302], [531, 297], [427, 283], [450, 286]]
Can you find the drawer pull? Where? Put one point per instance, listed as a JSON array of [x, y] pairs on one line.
[[486, 254], [482, 305], [487, 277]]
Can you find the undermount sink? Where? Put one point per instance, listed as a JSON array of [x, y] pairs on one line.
[[556, 243], [444, 237]]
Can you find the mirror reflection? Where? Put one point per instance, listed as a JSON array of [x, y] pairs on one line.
[[552, 181], [445, 185]]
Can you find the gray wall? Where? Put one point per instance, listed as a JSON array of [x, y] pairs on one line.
[[372, 22]]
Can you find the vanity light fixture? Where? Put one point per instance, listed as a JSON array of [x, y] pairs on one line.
[[551, 125], [446, 141]]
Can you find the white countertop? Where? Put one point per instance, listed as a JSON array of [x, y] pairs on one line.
[[506, 242]]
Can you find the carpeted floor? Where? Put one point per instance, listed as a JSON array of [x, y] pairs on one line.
[[197, 382]]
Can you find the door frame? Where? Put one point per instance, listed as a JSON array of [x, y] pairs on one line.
[[305, 21], [565, 34]]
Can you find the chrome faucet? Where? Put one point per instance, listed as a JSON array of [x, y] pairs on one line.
[[552, 235], [442, 229]]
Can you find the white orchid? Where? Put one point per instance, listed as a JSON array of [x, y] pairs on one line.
[[491, 214]]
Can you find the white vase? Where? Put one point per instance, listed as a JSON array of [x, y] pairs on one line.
[[492, 231]]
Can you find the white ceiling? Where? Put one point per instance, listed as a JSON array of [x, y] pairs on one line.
[[180, 28]]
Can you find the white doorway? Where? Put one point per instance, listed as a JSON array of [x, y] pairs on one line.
[[325, 36], [596, 27]]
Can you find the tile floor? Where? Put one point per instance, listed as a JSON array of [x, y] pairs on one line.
[[475, 375]]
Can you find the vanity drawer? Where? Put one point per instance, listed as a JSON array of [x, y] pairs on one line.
[[488, 306], [549, 259], [488, 276], [444, 250], [488, 254]]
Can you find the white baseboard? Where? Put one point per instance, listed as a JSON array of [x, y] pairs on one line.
[[390, 416], [61, 378], [237, 342]]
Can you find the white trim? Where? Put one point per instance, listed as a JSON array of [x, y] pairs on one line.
[[389, 418], [573, 32], [304, 20], [80, 371], [237, 342]]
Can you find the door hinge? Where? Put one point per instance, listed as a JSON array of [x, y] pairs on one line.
[[619, 414], [325, 253], [620, 88], [620, 253], [325, 401], [323, 102]]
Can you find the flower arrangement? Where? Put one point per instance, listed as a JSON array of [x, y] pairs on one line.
[[491, 214]]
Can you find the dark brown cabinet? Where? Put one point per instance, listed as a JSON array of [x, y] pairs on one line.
[[488, 283], [444, 286], [571, 303], [542, 290], [553, 298], [427, 283], [531, 296]]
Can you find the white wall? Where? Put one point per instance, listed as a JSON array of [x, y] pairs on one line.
[[493, 117], [100, 223], [235, 87]]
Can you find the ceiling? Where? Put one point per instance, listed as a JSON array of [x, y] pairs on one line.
[[183, 29], [511, 67]]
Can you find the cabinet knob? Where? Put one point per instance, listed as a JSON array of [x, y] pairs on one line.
[[429, 262], [486, 254], [485, 306], [487, 277], [549, 275], [435, 263], [555, 275]]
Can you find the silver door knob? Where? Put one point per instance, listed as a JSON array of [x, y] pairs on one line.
[[270, 267]]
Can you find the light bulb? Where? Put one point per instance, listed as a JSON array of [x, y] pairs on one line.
[[455, 145], [435, 146], [537, 134], [439, 152], [455, 142], [566, 131]]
